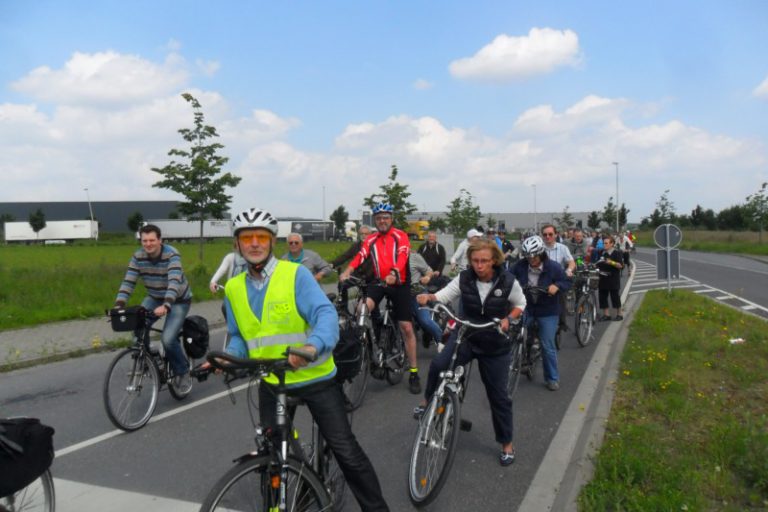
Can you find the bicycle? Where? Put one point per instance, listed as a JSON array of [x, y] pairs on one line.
[[280, 474], [586, 309], [434, 446], [136, 375], [39, 493]]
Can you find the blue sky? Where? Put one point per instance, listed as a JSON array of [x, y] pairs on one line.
[[310, 96]]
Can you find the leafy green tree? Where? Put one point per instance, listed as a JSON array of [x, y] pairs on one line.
[[623, 213], [5, 217], [174, 215], [593, 220], [564, 221], [736, 217], [395, 194], [697, 216], [134, 221], [463, 214], [37, 221], [757, 204], [198, 178], [438, 224], [491, 222], [339, 216], [609, 213]]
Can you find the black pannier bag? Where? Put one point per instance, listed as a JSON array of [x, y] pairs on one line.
[[26, 451], [195, 336], [127, 318], [347, 353]]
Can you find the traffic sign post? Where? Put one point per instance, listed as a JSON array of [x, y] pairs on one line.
[[668, 236]]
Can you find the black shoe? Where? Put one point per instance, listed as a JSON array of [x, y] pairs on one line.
[[414, 383], [604, 318], [506, 459], [618, 317]]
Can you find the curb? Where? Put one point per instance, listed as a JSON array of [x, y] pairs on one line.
[[567, 464]]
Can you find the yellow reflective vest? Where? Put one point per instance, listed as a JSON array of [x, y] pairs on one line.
[[280, 326]]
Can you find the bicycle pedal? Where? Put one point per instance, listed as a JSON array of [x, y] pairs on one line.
[[465, 425]]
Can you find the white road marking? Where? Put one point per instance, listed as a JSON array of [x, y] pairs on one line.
[[78, 497]]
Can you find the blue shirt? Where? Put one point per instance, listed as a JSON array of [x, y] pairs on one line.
[[313, 306]]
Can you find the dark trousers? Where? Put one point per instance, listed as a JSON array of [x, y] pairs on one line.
[[602, 296], [326, 404], [494, 374]]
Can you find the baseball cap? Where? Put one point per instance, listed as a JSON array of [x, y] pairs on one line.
[[473, 233]]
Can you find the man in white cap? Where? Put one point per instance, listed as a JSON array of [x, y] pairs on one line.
[[459, 258]]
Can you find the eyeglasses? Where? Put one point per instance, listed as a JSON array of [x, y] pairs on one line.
[[248, 238], [483, 261], [547, 234], [294, 242], [382, 216]]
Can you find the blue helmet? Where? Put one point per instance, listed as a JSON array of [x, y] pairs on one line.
[[383, 208]]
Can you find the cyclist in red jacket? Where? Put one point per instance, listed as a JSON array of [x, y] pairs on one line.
[[388, 248]]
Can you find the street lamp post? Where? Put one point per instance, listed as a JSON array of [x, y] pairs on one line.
[[535, 217], [617, 197], [88, 196]]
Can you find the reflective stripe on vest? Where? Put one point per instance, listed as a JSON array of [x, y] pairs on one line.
[[281, 325]]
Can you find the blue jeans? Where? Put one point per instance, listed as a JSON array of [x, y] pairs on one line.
[[547, 331], [425, 321], [174, 321]]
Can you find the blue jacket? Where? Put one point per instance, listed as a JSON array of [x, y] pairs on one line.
[[552, 273]]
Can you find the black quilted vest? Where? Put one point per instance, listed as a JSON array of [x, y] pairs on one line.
[[496, 306]]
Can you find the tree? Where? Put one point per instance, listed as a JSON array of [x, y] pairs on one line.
[[199, 179], [757, 204], [564, 221], [735, 217], [134, 221], [609, 213], [37, 221], [5, 217], [491, 222], [339, 216], [697, 216], [666, 208], [623, 213], [593, 220], [463, 214], [438, 224], [395, 194]]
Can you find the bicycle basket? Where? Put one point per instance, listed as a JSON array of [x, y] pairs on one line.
[[195, 336], [126, 318], [347, 353], [35, 441], [594, 280]]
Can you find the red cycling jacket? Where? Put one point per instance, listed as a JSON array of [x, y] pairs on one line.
[[389, 252]]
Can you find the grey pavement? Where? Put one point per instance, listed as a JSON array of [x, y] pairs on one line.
[[566, 466]]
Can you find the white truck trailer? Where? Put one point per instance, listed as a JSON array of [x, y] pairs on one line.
[[54, 230], [181, 229]]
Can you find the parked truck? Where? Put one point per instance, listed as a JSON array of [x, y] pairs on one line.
[[417, 229], [55, 231], [182, 229]]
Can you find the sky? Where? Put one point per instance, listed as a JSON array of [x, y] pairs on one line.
[[526, 105]]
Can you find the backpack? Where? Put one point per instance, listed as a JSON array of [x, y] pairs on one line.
[[347, 353], [26, 452], [194, 333]]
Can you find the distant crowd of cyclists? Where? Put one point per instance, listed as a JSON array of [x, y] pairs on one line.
[[272, 302]]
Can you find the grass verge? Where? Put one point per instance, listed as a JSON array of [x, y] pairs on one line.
[[733, 242], [688, 428]]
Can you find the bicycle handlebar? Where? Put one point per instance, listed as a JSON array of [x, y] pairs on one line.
[[443, 309], [231, 364]]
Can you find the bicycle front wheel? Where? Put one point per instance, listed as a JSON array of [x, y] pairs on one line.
[[585, 318], [130, 389], [39, 496], [394, 353], [255, 484], [434, 448], [515, 367], [354, 389]]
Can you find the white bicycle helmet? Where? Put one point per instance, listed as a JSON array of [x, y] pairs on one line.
[[255, 218], [533, 246]]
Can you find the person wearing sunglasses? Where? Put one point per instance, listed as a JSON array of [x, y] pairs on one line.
[[277, 304], [560, 254], [307, 257]]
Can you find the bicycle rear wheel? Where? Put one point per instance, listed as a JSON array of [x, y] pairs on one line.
[[584, 323], [39, 496], [254, 484], [515, 367], [354, 389], [130, 389], [334, 480], [434, 448]]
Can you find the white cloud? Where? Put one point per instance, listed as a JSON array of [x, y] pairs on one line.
[[422, 84], [509, 58], [104, 78], [761, 91], [207, 67]]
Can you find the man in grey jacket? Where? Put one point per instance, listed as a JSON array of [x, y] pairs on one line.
[[310, 259]]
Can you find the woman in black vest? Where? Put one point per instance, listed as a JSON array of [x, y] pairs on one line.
[[487, 292]]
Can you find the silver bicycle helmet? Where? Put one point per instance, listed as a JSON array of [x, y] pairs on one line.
[[254, 218], [533, 246]]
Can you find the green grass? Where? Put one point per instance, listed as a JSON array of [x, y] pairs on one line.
[[51, 283], [688, 429], [737, 242]]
